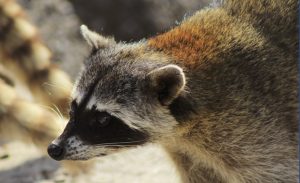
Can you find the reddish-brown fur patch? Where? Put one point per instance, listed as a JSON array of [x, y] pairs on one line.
[[189, 44]]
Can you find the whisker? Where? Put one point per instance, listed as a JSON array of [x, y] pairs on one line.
[[128, 143], [53, 85], [58, 111], [53, 110], [115, 145]]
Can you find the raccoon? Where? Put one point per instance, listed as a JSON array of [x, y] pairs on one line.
[[218, 92], [28, 60], [29, 82]]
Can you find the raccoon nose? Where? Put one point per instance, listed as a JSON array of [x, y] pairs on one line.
[[56, 152]]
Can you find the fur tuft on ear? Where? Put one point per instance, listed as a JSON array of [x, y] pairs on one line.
[[168, 82], [94, 39]]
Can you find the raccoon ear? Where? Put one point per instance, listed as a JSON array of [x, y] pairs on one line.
[[168, 81], [94, 39]]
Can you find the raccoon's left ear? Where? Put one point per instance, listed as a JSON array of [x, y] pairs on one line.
[[168, 82], [94, 39]]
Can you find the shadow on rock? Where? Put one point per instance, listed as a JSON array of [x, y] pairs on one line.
[[30, 171]]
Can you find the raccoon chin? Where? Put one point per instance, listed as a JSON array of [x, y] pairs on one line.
[[83, 158]]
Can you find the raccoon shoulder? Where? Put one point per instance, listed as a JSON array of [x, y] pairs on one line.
[[275, 19], [201, 39]]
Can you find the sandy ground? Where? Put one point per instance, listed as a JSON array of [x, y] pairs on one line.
[[23, 163]]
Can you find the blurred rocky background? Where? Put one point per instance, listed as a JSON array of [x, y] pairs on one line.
[[59, 20]]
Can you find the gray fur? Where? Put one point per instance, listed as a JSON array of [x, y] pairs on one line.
[[122, 88]]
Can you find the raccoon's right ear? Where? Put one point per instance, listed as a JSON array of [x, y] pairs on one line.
[[94, 39], [168, 82]]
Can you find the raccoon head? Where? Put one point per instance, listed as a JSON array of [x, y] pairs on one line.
[[121, 99]]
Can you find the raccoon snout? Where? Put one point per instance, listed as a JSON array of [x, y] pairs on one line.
[[56, 152]]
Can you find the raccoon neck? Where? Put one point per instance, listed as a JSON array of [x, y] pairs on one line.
[[195, 163]]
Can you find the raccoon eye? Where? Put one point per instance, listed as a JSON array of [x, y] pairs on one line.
[[103, 120]]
